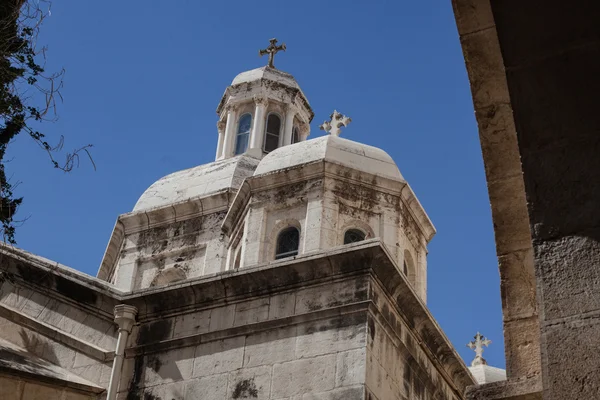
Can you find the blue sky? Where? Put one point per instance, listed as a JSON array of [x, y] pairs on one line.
[[143, 80]]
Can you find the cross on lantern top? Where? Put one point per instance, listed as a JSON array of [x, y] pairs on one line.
[[271, 51], [477, 346], [334, 125]]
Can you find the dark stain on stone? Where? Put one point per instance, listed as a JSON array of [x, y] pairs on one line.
[[407, 378], [72, 290], [138, 370], [33, 275], [245, 389], [155, 331], [154, 363], [312, 305], [336, 323], [371, 323], [150, 396]]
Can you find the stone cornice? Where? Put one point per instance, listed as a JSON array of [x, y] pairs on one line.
[[327, 169], [268, 88]]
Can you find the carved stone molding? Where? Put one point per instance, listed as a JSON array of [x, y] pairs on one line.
[[260, 100], [231, 107]]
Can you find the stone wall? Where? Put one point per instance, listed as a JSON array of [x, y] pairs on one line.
[[317, 327], [14, 388]]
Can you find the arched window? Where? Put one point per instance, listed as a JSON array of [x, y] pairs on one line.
[[287, 243], [272, 133], [353, 236], [295, 135], [405, 268], [243, 133]]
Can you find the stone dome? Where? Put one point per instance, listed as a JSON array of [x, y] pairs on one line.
[[483, 373], [199, 181], [266, 73], [332, 149]]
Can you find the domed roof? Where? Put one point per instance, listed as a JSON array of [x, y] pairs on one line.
[[483, 373], [333, 149], [198, 181], [268, 73]]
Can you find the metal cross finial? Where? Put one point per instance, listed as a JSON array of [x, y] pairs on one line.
[[334, 125], [477, 346], [271, 51]]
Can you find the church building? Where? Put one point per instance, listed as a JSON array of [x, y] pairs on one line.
[[288, 268]]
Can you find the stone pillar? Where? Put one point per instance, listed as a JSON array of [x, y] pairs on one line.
[[221, 128], [312, 225], [230, 132], [304, 131], [290, 113], [254, 237], [258, 126], [421, 273], [124, 318]]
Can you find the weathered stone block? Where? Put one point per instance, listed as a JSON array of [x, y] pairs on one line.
[[337, 293], [509, 212], [250, 383], [568, 269], [353, 393], [170, 366], [330, 336], [249, 312], [35, 304], [497, 134], [219, 356], [270, 347], [221, 318], [522, 347], [191, 324], [15, 297], [33, 391], [207, 387], [568, 207], [573, 369], [10, 388], [472, 15], [485, 66], [282, 305], [517, 285], [311, 375], [99, 373], [351, 367]]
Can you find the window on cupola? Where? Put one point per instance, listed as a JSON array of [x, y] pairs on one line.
[[243, 134], [353, 236], [295, 135], [287, 243], [272, 133]]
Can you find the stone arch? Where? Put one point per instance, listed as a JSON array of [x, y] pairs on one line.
[[276, 230], [355, 224], [409, 267], [502, 160], [167, 276]]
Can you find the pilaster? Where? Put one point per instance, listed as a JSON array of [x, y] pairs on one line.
[[221, 125], [230, 131], [258, 126], [290, 113]]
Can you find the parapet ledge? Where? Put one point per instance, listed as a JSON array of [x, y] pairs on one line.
[[512, 389], [29, 265]]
